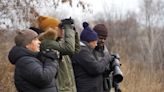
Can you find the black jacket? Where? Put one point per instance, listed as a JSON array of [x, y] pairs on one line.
[[88, 71], [31, 74]]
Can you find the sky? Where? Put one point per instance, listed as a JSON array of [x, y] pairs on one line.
[[64, 10], [98, 6], [120, 5]]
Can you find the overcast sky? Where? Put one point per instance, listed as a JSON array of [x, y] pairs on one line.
[[121, 6]]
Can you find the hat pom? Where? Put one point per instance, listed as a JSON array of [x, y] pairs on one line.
[[85, 25]]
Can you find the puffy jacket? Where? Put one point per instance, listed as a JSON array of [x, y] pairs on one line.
[[88, 71], [67, 47], [31, 74]]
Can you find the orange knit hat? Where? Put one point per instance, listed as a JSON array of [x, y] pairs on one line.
[[45, 22]]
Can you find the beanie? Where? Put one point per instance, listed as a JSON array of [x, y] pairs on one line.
[[45, 22], [101, 30], [87, 34], [24, 37]]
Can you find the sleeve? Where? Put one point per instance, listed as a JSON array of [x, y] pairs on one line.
[[77, 43], [38, 74], [88, 62], [66, 46]]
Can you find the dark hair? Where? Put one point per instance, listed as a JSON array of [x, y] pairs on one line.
[[37, 30]]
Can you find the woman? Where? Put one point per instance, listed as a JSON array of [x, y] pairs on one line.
[[87, 69], [31, 74], [60, 36]]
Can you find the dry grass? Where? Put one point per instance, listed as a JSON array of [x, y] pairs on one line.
[[6, 69], [138, 75]]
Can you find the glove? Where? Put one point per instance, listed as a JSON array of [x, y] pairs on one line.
[[49, 54]]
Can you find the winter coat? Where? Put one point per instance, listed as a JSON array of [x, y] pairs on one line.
[[68, 46], [31, 74], [88, 71], [99, 53]]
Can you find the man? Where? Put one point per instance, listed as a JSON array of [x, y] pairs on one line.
[[67, 43], [88, 71], [32, 74], [100, 51]]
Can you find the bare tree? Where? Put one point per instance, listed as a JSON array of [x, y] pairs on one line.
[[152, 11]]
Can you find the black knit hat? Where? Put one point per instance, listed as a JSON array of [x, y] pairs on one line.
[[24, 37], [101, 30]]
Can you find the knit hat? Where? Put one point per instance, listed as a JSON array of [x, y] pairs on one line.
[[24, 37], [45, 22], [101, 30], [87, 34]]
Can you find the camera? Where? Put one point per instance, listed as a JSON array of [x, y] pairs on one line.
[[117, 73]]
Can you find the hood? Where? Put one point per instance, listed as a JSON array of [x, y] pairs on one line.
[[85, 44], [48, 34], [17, 52]]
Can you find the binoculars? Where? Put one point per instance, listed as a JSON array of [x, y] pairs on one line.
[[67, 21]]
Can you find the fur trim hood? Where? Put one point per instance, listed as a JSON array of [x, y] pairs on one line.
[[48, 34]]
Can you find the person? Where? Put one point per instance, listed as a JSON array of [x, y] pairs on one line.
[[67, 43], [87, 69], [100, 51], [31, 74]]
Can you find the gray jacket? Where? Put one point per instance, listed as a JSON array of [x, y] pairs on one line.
[[99, 53], [88, 70]]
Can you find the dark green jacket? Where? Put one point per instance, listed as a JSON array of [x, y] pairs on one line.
[[68, 46]]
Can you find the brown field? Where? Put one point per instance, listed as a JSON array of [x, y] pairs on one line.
[[138, 76]]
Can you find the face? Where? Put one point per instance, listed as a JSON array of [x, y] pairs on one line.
[[34, 46], [101, 41], [93, 44]]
